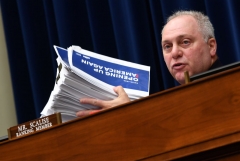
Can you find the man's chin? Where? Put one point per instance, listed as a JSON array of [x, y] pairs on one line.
[[180, 78]]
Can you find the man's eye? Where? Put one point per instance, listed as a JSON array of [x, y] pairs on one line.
[[167, 47], [186, 42]]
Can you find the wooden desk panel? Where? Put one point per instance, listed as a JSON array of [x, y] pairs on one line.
[[175, 123]]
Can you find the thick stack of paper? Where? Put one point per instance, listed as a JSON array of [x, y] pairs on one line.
[[82, 74]]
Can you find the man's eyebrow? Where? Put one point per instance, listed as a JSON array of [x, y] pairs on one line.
[[184, 35], [178, 37], [165, 41]]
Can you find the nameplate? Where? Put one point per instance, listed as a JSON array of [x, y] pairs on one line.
[[34, 126]]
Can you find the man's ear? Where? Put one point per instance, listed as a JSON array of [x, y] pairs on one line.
[[212, 46]]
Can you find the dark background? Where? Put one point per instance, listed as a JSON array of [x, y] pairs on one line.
[[125, 29]]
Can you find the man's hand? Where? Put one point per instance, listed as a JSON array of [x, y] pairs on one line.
[[122, 98]]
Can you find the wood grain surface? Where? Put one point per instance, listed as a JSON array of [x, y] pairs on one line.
[[175, 123]]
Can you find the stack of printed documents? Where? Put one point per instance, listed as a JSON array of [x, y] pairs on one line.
[[83, 73]]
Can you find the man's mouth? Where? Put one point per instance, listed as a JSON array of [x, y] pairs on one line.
[[178, 66]]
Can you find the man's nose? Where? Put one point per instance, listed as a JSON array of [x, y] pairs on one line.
[[176, 52]]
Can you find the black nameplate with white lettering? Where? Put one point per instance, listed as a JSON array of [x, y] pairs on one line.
[[33, 126]]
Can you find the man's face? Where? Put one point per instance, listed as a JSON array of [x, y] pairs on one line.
[[184, 48]]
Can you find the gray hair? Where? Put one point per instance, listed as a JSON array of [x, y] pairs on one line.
[[205, 26]]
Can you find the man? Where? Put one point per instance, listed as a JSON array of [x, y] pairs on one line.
[[188, 44]]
